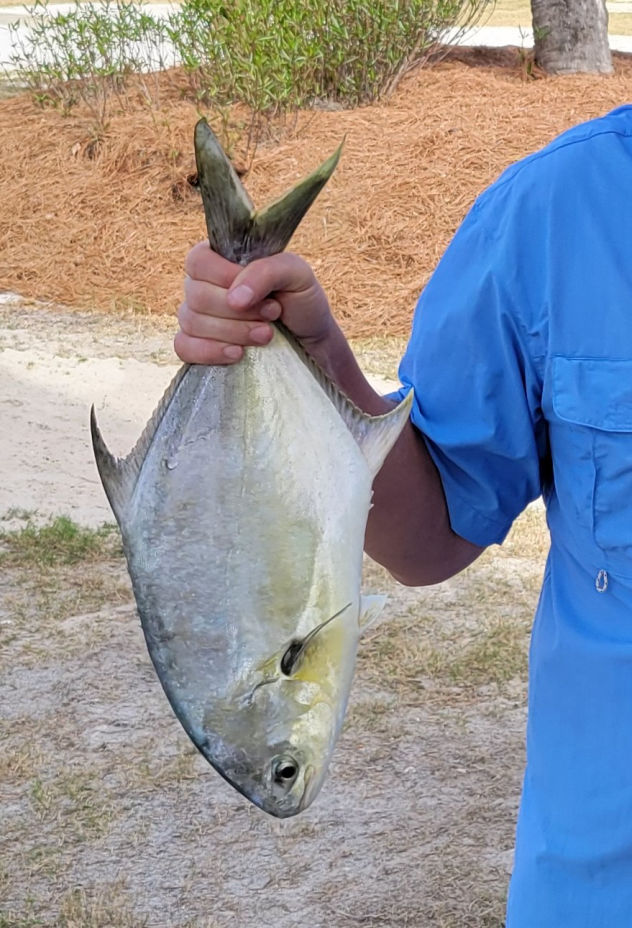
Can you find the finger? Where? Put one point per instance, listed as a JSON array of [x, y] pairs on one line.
[[282, 272], [202, 263], [210, 300], [205, 351], [230, 331]]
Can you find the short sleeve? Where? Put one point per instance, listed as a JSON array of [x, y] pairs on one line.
[[475, 361]]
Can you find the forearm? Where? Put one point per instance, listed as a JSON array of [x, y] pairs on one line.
[[408, 530]]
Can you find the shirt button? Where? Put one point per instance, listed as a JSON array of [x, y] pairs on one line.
[[601, 581]]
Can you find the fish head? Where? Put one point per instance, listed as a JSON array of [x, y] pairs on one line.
[[276, 749], [276, 746], [274, 738]]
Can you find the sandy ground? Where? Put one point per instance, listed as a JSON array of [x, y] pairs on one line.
[[53, 366], [110, 819]]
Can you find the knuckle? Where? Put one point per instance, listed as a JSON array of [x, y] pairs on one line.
[[185, 318], [203, 264], [193, 350], [259, 273], [181, 346], [195, 258], [297, 268], [283, 271], [196, 294]]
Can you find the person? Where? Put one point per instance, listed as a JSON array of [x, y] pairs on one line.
[[521, 360]]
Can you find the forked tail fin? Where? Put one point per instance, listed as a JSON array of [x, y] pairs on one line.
[[236, 230]]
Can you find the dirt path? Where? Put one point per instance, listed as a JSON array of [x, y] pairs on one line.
[[53, 365], [109, 819]]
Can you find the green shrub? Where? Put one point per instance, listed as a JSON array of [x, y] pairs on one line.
[[85, 54], [274, 56]]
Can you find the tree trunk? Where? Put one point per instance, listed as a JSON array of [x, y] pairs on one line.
[[571, 36]]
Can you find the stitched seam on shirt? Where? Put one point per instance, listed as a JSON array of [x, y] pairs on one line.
[[538, 359]]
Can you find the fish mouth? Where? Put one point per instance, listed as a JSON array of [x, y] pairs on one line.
[[269, 784], [285, 805], [309, 793], [261, 791]]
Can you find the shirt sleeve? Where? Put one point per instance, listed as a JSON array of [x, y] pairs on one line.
[[475, 361]]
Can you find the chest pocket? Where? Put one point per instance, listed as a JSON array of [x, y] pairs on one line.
[[591, 444]]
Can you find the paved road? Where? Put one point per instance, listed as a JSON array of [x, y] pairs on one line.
[[484, 35]]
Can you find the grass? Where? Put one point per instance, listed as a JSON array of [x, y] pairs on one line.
[[476, 635], [58, 576], [497, 654], [403, 657], [97, 771], [620, 23], [10, 921], [516, 13], [59, 542], [21, 763], [151, 774], [76, 801], [101, 909], [510, 13]]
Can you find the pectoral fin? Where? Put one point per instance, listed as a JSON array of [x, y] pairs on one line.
[[297, 649], [370, 609]]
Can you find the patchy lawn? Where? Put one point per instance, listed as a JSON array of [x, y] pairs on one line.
[[111, 818]]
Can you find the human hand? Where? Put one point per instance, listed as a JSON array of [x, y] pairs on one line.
[[228, 307]]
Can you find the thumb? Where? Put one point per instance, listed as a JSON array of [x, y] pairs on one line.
[[283, 272]]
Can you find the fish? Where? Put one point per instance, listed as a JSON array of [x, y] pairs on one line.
[[242, 509]]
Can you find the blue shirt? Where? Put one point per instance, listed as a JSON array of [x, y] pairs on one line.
[[521, 361]]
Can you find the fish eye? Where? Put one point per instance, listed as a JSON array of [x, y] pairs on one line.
[[284, 770]]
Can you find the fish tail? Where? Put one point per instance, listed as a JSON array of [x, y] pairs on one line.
[[236, 230]]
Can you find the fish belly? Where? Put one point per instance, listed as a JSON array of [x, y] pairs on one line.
[[246, 525]]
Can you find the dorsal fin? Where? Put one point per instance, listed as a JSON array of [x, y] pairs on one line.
[[119, 475], [375, 435], [235, 230]]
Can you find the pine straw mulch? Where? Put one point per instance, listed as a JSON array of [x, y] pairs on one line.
[[108, 226]]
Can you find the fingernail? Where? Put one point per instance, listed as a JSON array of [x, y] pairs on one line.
[[270, 310], [241, 297], [233, 352], [260, 334]]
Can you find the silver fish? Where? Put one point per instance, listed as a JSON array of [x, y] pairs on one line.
[[242, 509]]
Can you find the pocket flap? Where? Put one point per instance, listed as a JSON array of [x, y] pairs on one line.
[[595, 392]]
